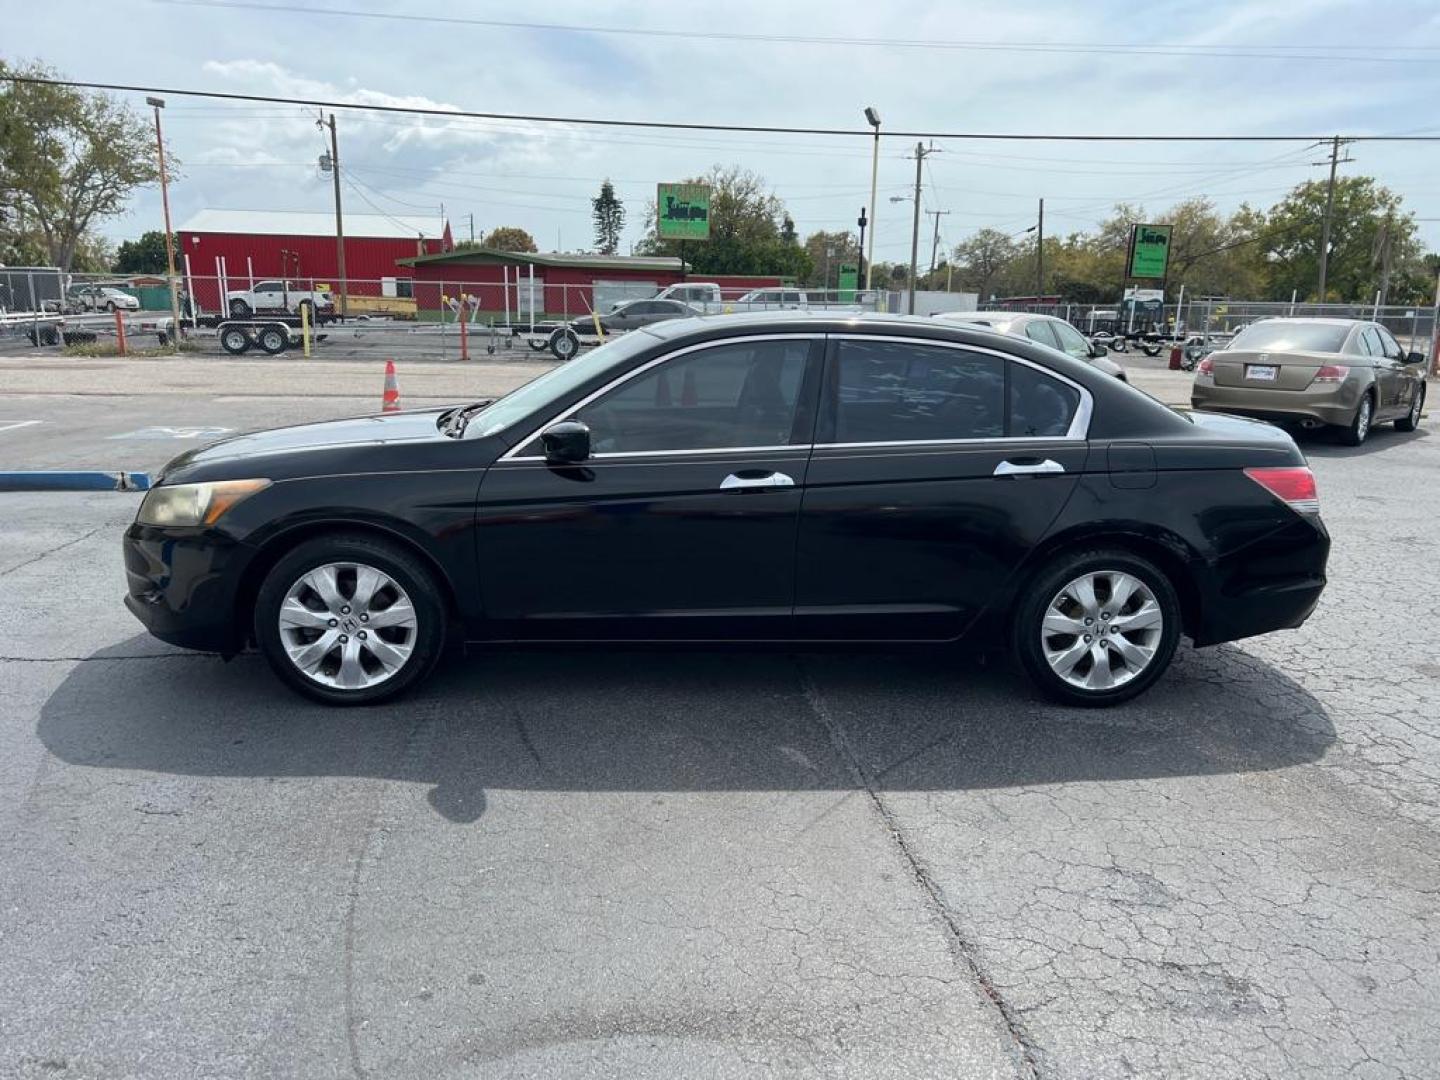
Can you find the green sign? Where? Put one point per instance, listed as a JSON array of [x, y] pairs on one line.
[[683, 211], [847, 282], [1149, 251]]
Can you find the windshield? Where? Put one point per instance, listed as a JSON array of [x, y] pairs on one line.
[[555, 383], [1292, 337]]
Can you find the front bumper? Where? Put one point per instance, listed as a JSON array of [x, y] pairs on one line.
[[1327, 403], [183, 584]]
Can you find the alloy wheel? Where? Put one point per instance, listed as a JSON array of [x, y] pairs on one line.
[[1362, 419], [347, 625], [1101, 630]]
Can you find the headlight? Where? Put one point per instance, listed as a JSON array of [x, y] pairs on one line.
[[195, 504]]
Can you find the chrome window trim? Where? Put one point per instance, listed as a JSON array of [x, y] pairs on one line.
[[1079, 423], [513, 453], [1078, 431]]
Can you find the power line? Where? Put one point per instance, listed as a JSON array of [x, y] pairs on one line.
[[1340, 53], [675, 125]]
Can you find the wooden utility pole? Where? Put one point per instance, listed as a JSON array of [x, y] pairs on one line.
[[935, 240], [1040, 252], [1335, 160], [339, 220], [920, 154]]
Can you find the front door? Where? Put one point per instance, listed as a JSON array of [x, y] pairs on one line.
[[682, 524], [936, 469]]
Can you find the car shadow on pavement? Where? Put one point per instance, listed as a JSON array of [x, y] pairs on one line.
[[621, 720], [1326, 444]]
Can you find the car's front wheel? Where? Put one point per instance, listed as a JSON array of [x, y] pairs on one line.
[[1411, 420], [350, 619], [1097, 627]]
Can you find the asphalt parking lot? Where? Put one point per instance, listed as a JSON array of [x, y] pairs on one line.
[[649, 863]]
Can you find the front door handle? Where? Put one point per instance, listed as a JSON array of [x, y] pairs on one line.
[[755, 480], [1027, 467]]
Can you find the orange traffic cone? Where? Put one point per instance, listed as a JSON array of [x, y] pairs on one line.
[[390, 402]]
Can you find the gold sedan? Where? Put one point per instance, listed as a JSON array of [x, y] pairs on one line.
[[1344, 373]]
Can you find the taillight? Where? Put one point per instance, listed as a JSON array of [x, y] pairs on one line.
[[1206, 367], [1332, 373], [1294, 485]]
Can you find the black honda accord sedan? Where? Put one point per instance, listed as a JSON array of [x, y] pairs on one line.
[[783, 477]]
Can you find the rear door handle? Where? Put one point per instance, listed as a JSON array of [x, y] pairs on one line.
[[1027, 467], [755, 480]]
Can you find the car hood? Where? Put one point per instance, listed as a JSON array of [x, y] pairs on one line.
[[383, 429]]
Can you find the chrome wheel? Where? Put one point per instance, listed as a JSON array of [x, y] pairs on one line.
[[1101, 630], [1415, 408], [1362, 419], [347, 625]]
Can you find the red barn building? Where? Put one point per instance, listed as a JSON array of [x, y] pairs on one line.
[[564, 284], [249, 245]]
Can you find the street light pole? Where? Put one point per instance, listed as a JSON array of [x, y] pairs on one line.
[[873, 119], [157, 104]]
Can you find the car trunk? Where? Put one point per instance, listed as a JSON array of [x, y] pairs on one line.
[[1292, 370]]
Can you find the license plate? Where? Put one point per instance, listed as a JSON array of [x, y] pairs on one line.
[[1261, 372]]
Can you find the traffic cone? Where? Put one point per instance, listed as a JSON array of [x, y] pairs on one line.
[[390, 401]]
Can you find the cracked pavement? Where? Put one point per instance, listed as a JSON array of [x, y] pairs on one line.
[[645, 863]]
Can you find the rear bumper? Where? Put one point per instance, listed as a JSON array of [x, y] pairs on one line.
[[1272, 584], [1328, 403], [182, 586]]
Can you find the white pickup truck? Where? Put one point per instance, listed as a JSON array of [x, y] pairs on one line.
[[279, 297]]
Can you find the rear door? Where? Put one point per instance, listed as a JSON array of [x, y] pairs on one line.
[[937, 468]]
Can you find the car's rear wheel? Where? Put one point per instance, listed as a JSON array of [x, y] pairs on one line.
[[1359, 427], [1097, 627], [1411, 420], [239, 309], [350, 620]]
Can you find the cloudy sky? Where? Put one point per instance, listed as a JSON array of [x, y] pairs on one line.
[[1308, 67]]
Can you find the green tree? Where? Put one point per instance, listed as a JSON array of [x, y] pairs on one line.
[[608, 213], [827, 250], [750, 232], [69, 159], [980, 260], [145, 255], [1369, 229], [509, 238]]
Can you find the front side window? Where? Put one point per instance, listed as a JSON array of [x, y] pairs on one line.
[[729, 396], [268, 286], [1371, 342], [896, 392]]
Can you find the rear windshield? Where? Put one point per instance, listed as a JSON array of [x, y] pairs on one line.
[[1292, 337]]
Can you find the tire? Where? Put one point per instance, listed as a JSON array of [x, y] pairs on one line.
[[273, 339], [564, 344], [240, 309], [1358, 429], [110, 306], [413, 648], [1151, 350], [1151, 611], [235, 341], [538, 346], [1411, 420], [306, 308]]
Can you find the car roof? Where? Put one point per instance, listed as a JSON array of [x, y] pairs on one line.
[[823, 322], [1315, 320]]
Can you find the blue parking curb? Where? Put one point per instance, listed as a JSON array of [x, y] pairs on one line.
[[59, 480]]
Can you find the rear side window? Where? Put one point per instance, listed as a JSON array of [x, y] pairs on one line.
[[1040, 405], [1041, 332], [888, 391]]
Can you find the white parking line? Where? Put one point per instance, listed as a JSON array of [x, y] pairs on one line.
[[11, 425]]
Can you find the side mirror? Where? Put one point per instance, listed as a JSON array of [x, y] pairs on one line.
[[1097, 350], [566, 443], [1415, 358]]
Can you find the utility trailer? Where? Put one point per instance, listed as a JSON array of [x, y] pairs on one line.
[[271, 334]]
